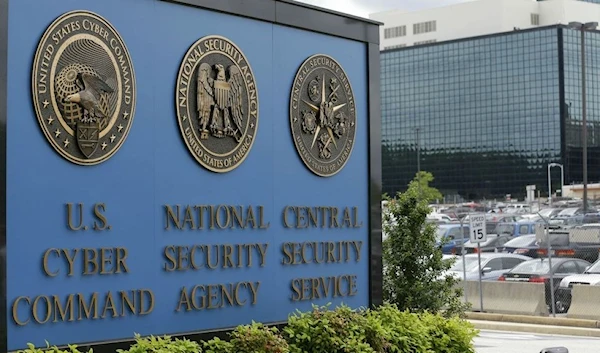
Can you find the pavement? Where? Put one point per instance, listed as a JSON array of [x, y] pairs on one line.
[[490, 341], [535, 324]]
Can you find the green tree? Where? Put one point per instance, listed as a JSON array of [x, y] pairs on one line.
[[414, 268], [421, 183]]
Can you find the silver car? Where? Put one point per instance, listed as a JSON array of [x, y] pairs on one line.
[[493, 265]]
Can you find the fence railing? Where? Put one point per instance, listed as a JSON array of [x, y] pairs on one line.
[[562, 278]]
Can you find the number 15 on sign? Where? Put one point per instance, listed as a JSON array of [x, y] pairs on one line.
[[477, 228]]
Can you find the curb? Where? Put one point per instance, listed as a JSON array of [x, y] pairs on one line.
[[534, 320], [540, 329]]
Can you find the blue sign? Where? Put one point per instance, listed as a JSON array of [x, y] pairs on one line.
[[126, 213]]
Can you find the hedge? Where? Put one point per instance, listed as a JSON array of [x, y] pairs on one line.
[[321, 330]]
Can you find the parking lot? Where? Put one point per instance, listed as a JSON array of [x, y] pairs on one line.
[[527, 254]]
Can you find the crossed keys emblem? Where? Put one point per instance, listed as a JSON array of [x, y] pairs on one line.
[[326, 118], [324, 146]]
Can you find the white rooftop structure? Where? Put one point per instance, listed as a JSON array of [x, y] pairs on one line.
[[479, 17]]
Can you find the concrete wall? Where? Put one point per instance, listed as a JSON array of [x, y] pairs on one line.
[[584, 303], [520, 298]]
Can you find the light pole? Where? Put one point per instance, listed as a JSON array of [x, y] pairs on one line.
[[582, 27], [418, 151], [562, 181]]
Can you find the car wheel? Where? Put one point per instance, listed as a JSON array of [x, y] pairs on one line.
[[561, 307]]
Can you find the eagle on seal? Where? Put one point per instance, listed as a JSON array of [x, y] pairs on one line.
[[220, 101], [90, 97]]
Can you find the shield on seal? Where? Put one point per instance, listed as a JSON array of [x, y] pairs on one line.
[[222, 93], [88, 135]]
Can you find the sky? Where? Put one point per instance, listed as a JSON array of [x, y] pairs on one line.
[[363, 8]]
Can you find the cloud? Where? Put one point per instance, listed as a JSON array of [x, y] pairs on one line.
[[364, 7], [353, 7]]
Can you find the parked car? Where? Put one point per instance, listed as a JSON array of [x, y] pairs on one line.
[[549, 212], [490, 226], [591, 276], [580, 247], [591, 218], [524, 245], [492, 243], [546, 213], [448, 257], [440, 217], [574, 215], [452, 236], [500, 217], [539, 271], [437, 221], [492, 265], [516, 229]]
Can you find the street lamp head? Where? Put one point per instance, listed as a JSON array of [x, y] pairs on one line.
[[583, 26], [575, 25]]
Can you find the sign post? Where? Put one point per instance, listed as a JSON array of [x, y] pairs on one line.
[[478, 235], [462, 255]]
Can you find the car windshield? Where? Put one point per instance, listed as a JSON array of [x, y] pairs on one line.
[[470, 262], [505, 229], [533, 266], [568, 212], [441, 232], [523, 240], [547, 212], [595, 268], [490, 227]]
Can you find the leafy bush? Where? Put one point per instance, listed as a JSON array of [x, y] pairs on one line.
[[257, 338], [71, 349], [342, 330], [402, 331], [164, 344], [449, 335], [376, 334], [217, 345], [333, 331]]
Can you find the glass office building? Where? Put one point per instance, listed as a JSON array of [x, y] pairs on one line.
[[487, 114]]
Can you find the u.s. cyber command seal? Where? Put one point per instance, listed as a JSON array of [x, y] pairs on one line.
[[83, 87], [217, 103], [323, 115]]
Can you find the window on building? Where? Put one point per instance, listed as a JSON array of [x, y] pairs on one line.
[[424, 27], [394, 32], [425, 42], [535, 19], [394, 46]]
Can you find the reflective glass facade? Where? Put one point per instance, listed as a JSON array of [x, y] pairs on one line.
[[490, 112], [573, 156]]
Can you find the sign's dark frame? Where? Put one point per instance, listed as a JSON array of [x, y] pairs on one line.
[[282, 12]]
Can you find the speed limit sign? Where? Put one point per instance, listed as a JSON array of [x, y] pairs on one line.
[[477, 232]]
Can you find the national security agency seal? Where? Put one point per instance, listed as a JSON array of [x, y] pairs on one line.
[[83, 88], [323, 115], [217, 103]]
